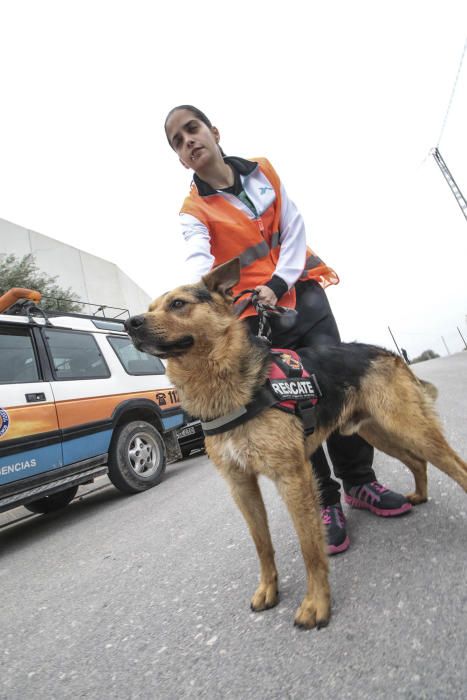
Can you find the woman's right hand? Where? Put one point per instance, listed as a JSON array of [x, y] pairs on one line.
[[266, 295]]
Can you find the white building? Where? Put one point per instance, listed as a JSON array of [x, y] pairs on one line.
[[94, 280]]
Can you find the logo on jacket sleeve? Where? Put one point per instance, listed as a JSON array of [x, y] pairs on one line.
[[4, 422]]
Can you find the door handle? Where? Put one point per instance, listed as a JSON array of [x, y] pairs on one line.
[[33, 398]]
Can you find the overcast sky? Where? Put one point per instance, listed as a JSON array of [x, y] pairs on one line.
[[345, 98]]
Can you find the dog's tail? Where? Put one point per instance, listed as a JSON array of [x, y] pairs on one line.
[[429, 389]]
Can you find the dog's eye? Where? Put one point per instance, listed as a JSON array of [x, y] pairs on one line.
[[177, 304]]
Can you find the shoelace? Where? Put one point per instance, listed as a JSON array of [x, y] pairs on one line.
[[379, 487], [326, 515]]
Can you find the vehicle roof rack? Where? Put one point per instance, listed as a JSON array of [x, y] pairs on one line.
[[100, 310], [20, 301]]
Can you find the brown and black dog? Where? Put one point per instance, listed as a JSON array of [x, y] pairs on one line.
[[217, 367]]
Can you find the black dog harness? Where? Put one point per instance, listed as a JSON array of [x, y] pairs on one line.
[[289, 387]]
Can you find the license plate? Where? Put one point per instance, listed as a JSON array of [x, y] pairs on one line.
[[187, 431]]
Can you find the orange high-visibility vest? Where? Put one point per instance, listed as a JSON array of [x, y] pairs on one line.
[[255, 241]]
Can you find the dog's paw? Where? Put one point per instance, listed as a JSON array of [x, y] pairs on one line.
[[313, 613], [415, 498], [266, 596]]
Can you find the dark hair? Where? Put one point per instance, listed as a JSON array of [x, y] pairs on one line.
[[196, 112]]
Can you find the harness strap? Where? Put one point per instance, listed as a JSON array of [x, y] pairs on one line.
[[306, 411], [263, 398]]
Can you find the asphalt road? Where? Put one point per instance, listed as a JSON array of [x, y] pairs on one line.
[[148, 596]]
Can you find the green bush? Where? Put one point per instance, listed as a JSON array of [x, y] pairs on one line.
[[24, 272]]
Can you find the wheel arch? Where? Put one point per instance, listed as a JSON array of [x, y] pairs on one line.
[[137, 409], [147, 410]]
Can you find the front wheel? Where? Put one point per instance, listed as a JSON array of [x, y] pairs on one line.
[[48, 504], [137, 457]]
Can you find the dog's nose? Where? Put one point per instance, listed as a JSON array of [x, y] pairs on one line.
[[133, 323]]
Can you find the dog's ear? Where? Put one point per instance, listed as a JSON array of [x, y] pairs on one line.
[[224, 277]]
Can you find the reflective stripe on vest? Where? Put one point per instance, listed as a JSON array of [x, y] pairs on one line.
[[260, 250], [311, 262]]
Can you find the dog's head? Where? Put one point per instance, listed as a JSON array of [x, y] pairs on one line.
[[188, 317]]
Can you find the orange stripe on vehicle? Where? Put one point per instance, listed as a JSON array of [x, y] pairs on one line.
[[30, 420], [80, 411]]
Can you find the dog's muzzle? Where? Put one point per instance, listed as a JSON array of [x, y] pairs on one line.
[[133, 323], [146, 340]]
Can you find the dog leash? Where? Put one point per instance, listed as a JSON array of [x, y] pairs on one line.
[[264, 311]]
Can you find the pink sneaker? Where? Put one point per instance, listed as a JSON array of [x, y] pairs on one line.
[[334, 521], [378, 499]]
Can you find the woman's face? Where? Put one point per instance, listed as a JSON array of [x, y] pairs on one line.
[[193, 141]]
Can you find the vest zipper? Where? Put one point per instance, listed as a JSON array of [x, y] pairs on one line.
[[260, 225], [248, 203]]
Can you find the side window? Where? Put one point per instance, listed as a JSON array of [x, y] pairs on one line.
[[134, 361], [75, 355], [17, 358]]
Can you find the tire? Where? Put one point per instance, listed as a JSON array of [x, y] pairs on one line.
[[137, 457], [49, 504]]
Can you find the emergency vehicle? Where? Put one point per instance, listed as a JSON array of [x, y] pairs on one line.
[[78, 400]]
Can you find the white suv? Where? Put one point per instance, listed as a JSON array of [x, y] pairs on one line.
[[78, 400]]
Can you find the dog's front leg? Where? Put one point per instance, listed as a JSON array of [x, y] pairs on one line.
[[298, 490], [247, 496]]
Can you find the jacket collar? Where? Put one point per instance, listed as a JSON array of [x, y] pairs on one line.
[[240, 166]]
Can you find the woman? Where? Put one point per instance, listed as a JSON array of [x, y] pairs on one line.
[[239, 207]]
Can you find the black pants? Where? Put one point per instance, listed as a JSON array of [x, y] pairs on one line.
[[315, 327]]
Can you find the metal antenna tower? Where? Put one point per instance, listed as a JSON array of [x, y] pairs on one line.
[[437, 155], [450, 180]]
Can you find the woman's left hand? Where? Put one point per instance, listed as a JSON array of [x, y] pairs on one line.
[[266, 295]]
